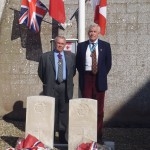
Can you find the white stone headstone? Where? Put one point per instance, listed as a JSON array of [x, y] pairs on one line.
[[40, 118], [82, 122]]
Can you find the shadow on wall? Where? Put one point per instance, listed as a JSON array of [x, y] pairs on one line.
[[135, 113], [29, 40], [17, 116], [11, 140]]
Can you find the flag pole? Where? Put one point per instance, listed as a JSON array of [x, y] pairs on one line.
[[81, 21]]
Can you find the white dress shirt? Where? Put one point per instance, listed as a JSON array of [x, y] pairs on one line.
[[88, 60]]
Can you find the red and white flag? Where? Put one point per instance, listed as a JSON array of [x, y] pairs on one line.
[[57, 10], [68, 46], [100, 14]]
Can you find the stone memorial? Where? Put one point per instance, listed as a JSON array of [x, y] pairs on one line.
[[40, 118], [82, 122]]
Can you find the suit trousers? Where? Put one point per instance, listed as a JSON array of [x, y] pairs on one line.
[[61, 107], [91, 91]]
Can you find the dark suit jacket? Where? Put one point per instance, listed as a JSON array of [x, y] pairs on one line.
[[104, 63], [46, 72]]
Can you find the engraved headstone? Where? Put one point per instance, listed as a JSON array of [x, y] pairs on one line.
[[40, 118], [82, 122]]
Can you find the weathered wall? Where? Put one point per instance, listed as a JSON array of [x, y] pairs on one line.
[[128, 31]]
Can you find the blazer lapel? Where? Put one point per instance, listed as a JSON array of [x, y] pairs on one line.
[[100, 50], [51, 57], [84, 48], [67, 62]]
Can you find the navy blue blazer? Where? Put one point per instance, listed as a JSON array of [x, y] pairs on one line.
[[104, 63]]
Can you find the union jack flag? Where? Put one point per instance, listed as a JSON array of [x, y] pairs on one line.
[[31, 14]]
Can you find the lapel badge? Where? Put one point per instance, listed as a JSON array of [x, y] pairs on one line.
[[101, 50]]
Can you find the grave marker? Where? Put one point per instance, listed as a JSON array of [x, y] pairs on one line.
[[82, 122], [40, 118]]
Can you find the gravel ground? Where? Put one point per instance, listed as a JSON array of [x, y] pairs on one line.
[[124, 138]]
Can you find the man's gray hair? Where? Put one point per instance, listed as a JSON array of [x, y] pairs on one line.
[[59, 36], [93, 26]]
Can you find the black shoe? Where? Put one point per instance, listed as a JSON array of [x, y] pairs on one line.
[[100, 141], [63, 141], [62, 138]]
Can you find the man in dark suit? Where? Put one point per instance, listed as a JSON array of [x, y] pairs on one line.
[[56, 70], [93, 83]]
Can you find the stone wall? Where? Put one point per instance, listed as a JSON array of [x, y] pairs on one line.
[[2, 7], [128, 31]]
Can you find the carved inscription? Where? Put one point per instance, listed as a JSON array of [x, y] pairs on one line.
[[39, 107], [83, 110], [82, 122]]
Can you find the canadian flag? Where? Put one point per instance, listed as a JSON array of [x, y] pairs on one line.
[[68, 46], [57, 10], [100, 14]]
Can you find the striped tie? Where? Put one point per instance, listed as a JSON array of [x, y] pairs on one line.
[[94, 63], [60, 68]]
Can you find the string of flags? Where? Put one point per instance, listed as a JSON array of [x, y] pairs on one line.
[[33, 11]]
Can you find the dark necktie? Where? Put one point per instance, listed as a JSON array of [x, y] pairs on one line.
[[60, 68], [94, 63]]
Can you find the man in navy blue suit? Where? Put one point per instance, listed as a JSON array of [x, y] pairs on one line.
[[94, 84]]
